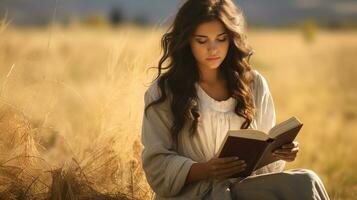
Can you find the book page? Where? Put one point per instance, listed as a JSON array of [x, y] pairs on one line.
[[284, 126], [249, 133]]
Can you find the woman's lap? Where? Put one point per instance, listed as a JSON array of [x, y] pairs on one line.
[[290, 184]]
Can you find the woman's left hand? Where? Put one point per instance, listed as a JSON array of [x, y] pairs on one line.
[[287, 152]]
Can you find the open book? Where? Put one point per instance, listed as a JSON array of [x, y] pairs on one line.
[[256, 147]]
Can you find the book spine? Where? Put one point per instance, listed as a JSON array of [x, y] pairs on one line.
[[269, 143], [252, 157]]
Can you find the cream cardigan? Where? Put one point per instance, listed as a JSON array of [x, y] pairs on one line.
[[166, 166]]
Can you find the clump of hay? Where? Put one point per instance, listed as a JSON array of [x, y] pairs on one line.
[[20, 162], [70, 182], [100, 173], [16, 139]]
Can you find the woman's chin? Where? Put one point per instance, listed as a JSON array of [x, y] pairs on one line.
[[213, 66]]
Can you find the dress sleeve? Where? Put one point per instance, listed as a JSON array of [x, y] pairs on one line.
[[165, 170], [265, 110], [265, 117]]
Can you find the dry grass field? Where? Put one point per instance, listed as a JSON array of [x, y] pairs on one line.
[[71, 104]]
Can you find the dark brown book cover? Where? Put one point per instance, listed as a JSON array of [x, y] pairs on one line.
[[256, 153], [280, 140], [249, 150]]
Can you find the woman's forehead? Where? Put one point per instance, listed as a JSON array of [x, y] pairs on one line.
[[211, 28]]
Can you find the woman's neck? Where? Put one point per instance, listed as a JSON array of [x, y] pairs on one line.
[[209, 76]]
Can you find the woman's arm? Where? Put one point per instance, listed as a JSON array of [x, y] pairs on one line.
[[198, 171], [287, 152], [165, 169], [218, 168]]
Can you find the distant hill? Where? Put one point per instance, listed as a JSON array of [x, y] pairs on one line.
[[258, 12]]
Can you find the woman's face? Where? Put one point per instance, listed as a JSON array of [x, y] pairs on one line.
[[209, 44]]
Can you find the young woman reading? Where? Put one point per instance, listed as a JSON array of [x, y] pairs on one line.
[[209, 87]]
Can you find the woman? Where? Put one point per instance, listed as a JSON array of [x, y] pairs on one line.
[[208, 88]]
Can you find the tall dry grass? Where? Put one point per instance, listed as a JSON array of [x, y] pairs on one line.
[[72, 103], [316, 82], [78, 143]]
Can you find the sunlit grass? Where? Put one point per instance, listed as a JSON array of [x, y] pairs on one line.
[[72, 103]]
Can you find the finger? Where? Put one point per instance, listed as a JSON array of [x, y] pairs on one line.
[[296, 149], [225, 170], [290, 145], [281, 152], [287, 146], [231, 164], [296, 143], [285, 155], [286, 158], [230, 174], [287, 151], [230, 171], [226, 160]]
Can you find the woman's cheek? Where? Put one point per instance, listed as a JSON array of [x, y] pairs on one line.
[[199, 53], [224, 49]]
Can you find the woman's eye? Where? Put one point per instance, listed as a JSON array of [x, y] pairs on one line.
[[201, 41], [222, 39]]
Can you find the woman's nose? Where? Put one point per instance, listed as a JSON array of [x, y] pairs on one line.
[[212, 48]]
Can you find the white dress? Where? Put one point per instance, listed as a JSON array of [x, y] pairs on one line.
[[217, 117], [166, 166]]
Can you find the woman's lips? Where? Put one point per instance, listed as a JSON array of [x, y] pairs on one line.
[[213, 58]]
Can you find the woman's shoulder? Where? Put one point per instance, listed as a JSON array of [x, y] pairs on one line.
[[153, 92], [260, 85], [260, 81]]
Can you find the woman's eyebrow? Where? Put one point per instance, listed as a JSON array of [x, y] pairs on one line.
[[206, 36]]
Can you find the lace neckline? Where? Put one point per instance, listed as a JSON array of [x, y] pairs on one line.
[[222, 106]]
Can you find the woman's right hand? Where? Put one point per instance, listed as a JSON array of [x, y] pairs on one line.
[[222, 168]]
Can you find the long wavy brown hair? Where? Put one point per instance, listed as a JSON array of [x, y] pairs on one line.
[[180, 70]]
